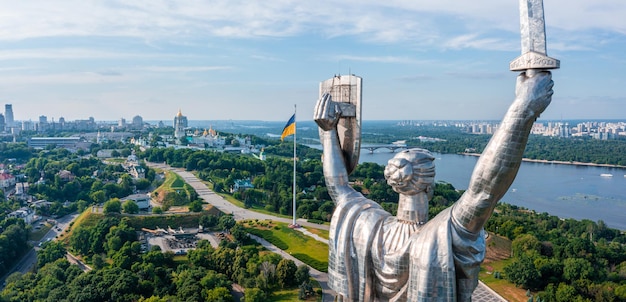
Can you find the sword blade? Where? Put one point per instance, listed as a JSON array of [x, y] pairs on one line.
[[533, 30], [532, 26]]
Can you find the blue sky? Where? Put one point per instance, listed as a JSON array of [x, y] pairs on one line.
[[253, 60]]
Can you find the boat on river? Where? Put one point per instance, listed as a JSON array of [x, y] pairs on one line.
[[607, 175]]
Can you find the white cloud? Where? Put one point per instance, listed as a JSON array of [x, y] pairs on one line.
[[477, 42], [380, 59], [77, 53], [382, 22], [182, 68]]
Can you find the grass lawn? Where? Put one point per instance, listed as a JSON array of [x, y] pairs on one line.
[[180, 259], [503, 287], [85, 219], [302, 247], [287, 295], [284, 295], [497, 257], [172, 181], [116, 160]]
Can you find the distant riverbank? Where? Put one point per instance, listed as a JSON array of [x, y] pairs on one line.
[[558, 162], [563, 190]]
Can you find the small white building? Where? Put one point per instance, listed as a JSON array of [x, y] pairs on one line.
[[142, 200], [24, 213]]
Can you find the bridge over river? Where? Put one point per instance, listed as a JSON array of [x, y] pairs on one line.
[[391, 147]]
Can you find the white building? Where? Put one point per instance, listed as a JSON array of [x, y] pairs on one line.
[[142, 200], [24, 213]]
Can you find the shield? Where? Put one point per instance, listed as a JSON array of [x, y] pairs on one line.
[[346, 90]]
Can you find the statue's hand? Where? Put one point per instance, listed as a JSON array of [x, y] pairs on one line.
[[327, 113], [534, 91]]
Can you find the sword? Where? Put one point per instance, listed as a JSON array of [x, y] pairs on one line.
[[533, 29]]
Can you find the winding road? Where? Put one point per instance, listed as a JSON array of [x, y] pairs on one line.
[[243, 214]]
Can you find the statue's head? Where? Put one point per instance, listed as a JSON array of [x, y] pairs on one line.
[[411, 172]]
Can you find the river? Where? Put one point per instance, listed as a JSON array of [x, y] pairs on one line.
[[567, 191]]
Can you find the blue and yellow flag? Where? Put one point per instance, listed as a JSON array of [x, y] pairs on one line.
[[290, 128]]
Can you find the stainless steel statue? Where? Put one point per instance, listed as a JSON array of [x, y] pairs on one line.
[[374, 256]]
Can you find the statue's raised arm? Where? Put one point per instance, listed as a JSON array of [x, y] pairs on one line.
[[326, 115], [498, 165]]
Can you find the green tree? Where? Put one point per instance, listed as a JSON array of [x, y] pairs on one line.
[[130, 207], [526, 243], [81, 205], [201, 257], [142, 184], [254, 295], [565, 293], [226, 222], [522, 272], [195, 206], [302, 274], [112, 206], [286, 273], [208, 221], [218, 294], [239, 233], [577, 268], [80, 241], [50, 252], [98, 197], [97, 261]]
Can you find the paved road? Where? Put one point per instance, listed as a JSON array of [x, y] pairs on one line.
[[243, 214], [481, 294], [72, 259], [225, 206]]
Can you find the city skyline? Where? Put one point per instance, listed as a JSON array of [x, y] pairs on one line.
[[222, 60]]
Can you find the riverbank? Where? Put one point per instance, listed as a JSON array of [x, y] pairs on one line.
[[558, 162]]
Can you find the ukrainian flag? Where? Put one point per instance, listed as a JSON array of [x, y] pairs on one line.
[[290, 128]]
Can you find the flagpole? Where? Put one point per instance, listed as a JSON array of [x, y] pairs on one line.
[[294, 166]]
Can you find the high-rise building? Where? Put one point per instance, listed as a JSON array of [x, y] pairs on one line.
[[43, 123], [8, 115], [2, 122], [137, 122], [180, 123]]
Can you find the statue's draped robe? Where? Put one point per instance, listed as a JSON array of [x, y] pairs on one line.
[[373, 258]]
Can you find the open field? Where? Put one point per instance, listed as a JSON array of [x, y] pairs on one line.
[[172, 181], [303, 247]]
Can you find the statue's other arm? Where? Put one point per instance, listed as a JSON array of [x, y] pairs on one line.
[[326, 115], [498, 165]]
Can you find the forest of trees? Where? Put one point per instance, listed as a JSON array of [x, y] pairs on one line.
[[122, 272], [585, 150], [93, 182], [13, 242], [563, 259]]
